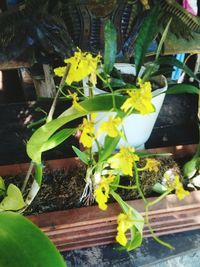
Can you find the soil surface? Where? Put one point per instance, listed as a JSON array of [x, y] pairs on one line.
[[62, 189]]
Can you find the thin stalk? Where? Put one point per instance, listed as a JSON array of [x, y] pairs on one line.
[[152, 232], [125, 187], [27, 176], [53, 106], [111, 90], [138, 184], [150, 204]]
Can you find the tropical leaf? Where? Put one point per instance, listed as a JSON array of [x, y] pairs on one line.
[[25, 245]]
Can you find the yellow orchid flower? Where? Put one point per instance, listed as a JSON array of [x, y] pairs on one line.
[[87, 128], [81, 65], [125, 222], [101, 193], [123, 160], [139, 99], [173, 183], [110, 127]]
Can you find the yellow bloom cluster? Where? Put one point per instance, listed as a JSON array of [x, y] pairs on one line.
[[87, 131], [101, 193], [175, 184], [110, 127], [123, 160], [82, 64], [139, 99], [125, 222]]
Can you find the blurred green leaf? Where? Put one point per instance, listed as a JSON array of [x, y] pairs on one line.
[[159, 188], [191, 167], [110, 37], [2, 187], [174, 62], [22, 244], [82, 155], [182, 88], [14, 199], [108, 147]]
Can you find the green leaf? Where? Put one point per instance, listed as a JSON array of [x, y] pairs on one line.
[[14, 199], [110, 51], [82, 155], [191, 167], [108, 147], [116, 83], [115, 182], [57, 139], [2, 184], [38, 172], [150, 154], [174, 62], [146, 34], [41, 135], [22, 244], [182, 88], [159, 188], [136, 239], [163, 38]]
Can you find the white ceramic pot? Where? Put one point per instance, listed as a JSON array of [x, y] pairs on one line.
[[137, 127]]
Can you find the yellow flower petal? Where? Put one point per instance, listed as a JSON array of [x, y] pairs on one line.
[[125, 222], [139, 99], [123, 160], [110, 127], [101, 193], [87, 135], [81, 65], [173, 183]]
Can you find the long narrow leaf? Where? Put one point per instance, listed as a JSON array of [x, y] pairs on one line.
[[182, 88], [110, 51], [42, 135], [57, 139], [82, 155], [146, 34], [174, 62]]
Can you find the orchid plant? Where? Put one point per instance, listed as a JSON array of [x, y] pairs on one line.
[[107, 164]]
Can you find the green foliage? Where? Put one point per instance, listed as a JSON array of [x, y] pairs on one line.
[[145, 36], [182, 88], [82, 155], [110, 50], [13, 199], [23, 244], [174, 62]]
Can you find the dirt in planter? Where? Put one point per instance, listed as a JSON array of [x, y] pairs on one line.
[[62, 189]]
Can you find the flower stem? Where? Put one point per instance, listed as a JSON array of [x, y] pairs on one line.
[[53, 106], [125, 187], [138, 184]]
